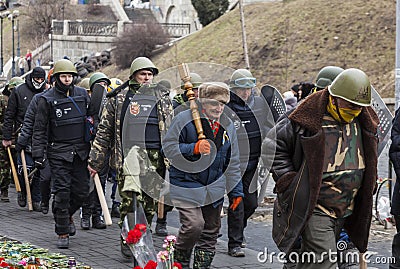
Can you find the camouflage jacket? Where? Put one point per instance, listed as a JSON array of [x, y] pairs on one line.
[[109, 129], [3, 106]]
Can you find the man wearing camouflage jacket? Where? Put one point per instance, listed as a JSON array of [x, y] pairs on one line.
[[150, 108]]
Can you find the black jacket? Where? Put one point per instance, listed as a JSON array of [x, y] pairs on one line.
[[40, 138], [17, 105], [25, 136]]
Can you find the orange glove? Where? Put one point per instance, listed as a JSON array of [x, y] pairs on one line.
[[202, 147], [235, 202]]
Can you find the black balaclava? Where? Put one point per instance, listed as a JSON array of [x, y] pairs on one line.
[[64, 88]]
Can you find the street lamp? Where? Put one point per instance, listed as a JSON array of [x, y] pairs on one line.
[[12, 17], [2, 16], [18, 48]]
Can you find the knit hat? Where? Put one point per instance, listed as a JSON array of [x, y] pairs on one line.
[[214, 90], [38, 72]]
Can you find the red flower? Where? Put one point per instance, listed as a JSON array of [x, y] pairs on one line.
[[151, 265], [141, 227], [177, 265], [137, 267], [133, 236], [4, 264], [1, 259]]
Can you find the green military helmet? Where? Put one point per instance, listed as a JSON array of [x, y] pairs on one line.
[[242, 78], [64, 66], [14, 82], [142, 63], [84, 83], [327, 75], [352, 85], [97, 77], [195, 79]]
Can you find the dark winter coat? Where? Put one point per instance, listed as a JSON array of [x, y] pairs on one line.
[[252, 120], [18, 103], [394, 154], [298, 167], [25, 136], [201, 180]]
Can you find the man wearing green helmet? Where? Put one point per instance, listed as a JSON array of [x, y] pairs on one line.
[[148, 109], [325, 168], [181, 101], [91, 207], [5, 168], [59, 134], [249, 114], [326, 76]]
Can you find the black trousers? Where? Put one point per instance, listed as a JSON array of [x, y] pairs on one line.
[[45, 183], [237, 220], [70, 188]]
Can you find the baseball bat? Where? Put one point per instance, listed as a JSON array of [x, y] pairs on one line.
[[27, 185], [14, 171], [102, 198]]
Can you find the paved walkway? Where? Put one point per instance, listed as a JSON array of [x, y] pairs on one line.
[[100, 248]]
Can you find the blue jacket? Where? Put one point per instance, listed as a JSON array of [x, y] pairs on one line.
[[202, 179]]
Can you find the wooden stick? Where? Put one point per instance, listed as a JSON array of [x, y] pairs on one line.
[[102, 198], [27, 185], [14, 171], [160, 212], [363, 264]]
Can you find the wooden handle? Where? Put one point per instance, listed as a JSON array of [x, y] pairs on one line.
[[27, 185], [160, 212], [363, 264], [185, 76], [14, 172], [103, 203]]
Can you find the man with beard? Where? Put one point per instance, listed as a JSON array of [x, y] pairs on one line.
[[18, 103]]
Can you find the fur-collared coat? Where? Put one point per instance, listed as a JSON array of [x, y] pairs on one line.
[[299, 144]]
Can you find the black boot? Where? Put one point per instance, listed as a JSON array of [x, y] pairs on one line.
[[115, 210], [4, 196], [36, 206], [21, 199], [63, 241], [125, 250], [183, 257], [71, 226], [98, 222], [161, 228], [45, 207], [202, 259]]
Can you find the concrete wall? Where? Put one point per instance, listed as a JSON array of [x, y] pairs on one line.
[[175, 11]]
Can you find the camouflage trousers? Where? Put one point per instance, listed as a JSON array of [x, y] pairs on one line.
[[5, 169], [151, 184]]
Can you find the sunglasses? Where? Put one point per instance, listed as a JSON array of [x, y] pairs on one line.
[[245, 82]]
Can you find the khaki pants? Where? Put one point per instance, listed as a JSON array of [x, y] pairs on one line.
[[199, 226]]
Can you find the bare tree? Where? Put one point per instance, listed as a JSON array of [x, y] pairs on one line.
[[40, 14], [138, 40]]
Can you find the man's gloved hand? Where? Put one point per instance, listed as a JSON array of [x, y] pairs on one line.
[[19, 147], [235, 202], [40, 163], [202, 147]]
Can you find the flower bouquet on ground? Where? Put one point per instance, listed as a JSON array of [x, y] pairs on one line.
[[166, 257], [135, 233]]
